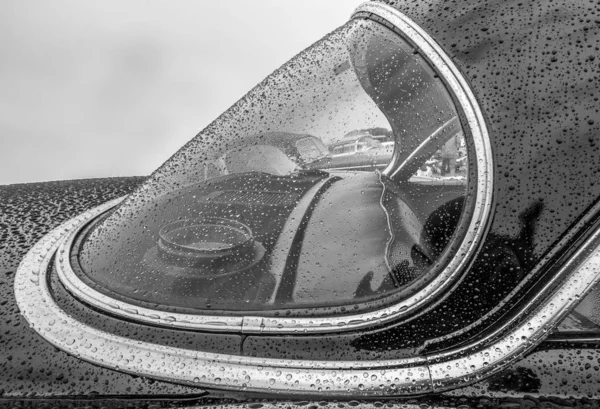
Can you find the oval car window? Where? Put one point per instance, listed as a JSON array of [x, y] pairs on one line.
[[343, 178]]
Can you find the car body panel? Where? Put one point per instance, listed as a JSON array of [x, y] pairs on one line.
[[34, 368], [533, 69]]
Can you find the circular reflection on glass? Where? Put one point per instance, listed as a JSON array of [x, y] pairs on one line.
[[201, 241], [341, 179]]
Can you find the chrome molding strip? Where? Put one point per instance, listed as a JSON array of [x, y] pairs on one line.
[[573, 338], [410, 376], [510, 342], [196, 368], [436, 289]]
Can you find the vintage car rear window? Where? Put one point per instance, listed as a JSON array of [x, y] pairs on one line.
[[341, 178]]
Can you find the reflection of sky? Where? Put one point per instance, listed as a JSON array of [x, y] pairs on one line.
[[93, 89]]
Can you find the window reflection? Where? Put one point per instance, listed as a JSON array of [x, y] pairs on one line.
[[340, 179], [584, 319]]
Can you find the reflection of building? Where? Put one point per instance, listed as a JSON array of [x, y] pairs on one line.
[[277, 153], [362, 152], [449, 154], [450, 160], [380, 134], [350, 147]]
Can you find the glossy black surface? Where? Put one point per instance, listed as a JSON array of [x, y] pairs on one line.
[[29, 366], [534, 70], [36, 371], [209, 342]]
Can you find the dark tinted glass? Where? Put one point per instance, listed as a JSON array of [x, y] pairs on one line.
[[584, 319], [339, 179]]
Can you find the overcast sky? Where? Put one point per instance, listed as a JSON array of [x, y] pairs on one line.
[[113, 88]]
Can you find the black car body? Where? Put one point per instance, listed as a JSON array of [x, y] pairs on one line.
[[479, 270]]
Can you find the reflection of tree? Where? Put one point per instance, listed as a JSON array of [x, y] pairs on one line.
[[507, 259]]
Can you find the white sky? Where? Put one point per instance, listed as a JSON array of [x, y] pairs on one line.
[[113, 88]]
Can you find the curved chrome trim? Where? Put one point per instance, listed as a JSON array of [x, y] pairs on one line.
[[436, 289], [409, 376], [533, 275], [196, 368], [510, 342]]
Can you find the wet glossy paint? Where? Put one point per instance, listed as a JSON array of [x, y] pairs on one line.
[[534, 70]]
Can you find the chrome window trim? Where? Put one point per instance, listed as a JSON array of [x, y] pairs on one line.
[[408, 376], [534, 322], [529, 280], [422, 300], [196, 368]]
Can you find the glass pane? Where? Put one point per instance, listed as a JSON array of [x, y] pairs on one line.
[[339, 179], [585, 318]]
